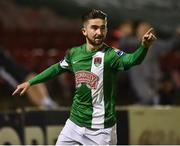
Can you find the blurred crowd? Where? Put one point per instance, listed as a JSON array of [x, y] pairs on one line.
[[27, 18], [156, 81], [37, 38]]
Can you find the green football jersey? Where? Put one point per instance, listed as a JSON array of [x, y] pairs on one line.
[[95, 75]]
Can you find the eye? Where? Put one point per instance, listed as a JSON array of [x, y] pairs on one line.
[[103, 27], [94, 27]]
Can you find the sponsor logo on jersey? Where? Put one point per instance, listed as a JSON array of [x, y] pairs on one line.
[[64, 64], [119, 52], [62, 61], [89, 78], [97, 61]]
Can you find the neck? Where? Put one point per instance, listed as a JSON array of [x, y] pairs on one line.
[[91, 47]]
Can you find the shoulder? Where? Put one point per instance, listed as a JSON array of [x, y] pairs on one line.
[[77, 48], [118, 52], [115, 51]]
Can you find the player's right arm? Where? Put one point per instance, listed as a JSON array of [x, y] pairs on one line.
[[50, 73]]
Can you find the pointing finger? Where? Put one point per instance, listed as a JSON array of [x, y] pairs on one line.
[[150, 31], [23, 91], [16, 91], [154, 36], [151, 37]]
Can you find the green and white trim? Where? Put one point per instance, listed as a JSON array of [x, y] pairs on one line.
[[98, 93]]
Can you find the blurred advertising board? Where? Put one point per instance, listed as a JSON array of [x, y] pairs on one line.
[[158, 125], [34, 127], [31, 127], [135, 125]]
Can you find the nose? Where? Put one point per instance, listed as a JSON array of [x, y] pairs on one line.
[[99, 31]]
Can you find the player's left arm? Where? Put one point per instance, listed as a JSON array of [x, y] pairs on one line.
[[135, 58]]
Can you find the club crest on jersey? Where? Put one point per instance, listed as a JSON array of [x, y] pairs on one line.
[[89, 78], [97, 61]]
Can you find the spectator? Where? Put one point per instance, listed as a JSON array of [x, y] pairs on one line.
[[145, 79], [15, 74]]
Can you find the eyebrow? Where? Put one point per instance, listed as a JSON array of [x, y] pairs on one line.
[[98, 26]]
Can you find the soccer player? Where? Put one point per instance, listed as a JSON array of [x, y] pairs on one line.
[[92, 118], [14, 74]]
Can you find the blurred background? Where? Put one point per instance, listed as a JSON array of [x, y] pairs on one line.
[[35, 34]]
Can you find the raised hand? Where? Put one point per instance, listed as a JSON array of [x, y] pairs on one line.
[[22, 88], [148, 38]]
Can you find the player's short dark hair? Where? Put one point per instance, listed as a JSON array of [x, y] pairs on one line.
[[93, 14]]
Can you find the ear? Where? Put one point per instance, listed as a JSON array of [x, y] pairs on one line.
[[84, 31]]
